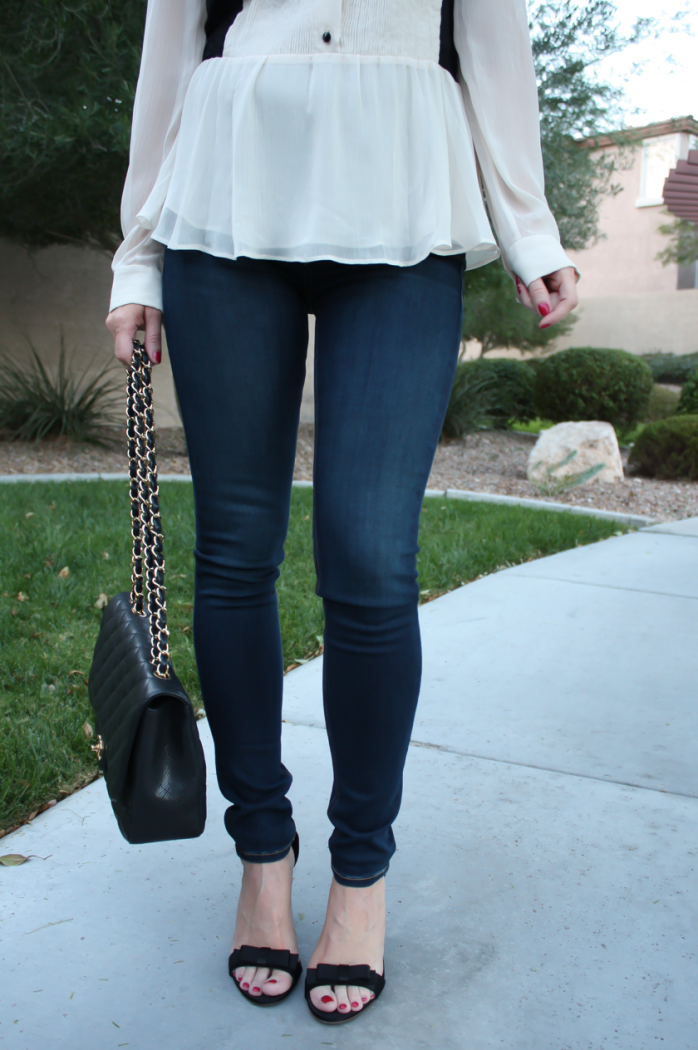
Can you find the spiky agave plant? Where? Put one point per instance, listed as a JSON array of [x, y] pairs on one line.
[[36, 404]]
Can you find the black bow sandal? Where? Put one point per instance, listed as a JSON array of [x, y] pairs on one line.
[[361, 976], [267, 958]]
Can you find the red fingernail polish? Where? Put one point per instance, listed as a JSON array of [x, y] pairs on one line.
[[326, 999], [545, 326], [518, 285], [544, 309], [158, 358]]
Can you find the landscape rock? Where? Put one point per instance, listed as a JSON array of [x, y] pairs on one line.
[[575, 454]]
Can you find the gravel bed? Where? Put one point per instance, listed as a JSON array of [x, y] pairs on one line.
[[492, 461]]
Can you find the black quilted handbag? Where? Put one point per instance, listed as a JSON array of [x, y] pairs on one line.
[[148, 743]]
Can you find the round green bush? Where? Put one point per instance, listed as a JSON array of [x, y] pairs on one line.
[[688, 402], [671, 368], [587, 383], [667, 449], [662, 403], [489, 394]]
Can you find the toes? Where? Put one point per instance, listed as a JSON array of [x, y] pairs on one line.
[[247, 977], [278, 983], [260, 976], [357, 997], [343, 1004], [323, 998]]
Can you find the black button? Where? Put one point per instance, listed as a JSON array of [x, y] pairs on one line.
[[327, 37]]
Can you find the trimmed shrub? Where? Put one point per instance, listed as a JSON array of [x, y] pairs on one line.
[[489, 394], [587, 383], [671, 368], [662, 403], [667, 449], [688, 402]]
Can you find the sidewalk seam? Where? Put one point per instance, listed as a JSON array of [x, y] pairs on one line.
[[605, 586], [512, 762]]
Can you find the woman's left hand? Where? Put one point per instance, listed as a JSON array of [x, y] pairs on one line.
[[553, 296]]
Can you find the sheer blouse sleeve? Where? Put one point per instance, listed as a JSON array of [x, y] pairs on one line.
[[172, 49], [501, 101]]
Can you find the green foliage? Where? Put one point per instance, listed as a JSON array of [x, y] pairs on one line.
[[489, 393], [667, 449], [683, 243], [67, 80], [569, 40], [472, 395], [662, 403], [47, 635], [688, 403], [671, 368], [35, 404], [492, 315], [586, 383]]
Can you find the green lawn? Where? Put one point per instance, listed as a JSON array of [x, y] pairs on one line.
[[49, 621]]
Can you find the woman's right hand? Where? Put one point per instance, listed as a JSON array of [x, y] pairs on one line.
[[125, 321]]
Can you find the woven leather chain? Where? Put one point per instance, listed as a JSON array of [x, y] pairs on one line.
[[148, 563]]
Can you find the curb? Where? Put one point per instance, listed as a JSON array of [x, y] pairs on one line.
[[634, 520]]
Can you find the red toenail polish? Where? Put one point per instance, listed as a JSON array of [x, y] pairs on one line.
[[272, 981], [245, 985], [363, 1000], [326, 999], [342, 1007], [256, 989], [354, 1004]]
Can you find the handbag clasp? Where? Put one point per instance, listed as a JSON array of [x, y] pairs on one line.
[[99, 748]]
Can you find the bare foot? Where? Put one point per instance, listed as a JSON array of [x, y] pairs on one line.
[[265, 920], [354, 934]]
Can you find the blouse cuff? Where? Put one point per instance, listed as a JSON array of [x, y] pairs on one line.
[[137, 284], [536, 256]]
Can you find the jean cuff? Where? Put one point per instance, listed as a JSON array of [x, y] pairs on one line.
[[263, 858], [359, 883]]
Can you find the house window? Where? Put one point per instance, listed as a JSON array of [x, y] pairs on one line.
[[659, 156]]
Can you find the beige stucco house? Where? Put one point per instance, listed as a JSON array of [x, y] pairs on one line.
[[628, 299]]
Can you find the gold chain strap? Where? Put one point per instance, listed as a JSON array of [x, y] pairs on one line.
[[148, 563]]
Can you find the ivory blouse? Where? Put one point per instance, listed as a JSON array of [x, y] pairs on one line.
[[328, 130]]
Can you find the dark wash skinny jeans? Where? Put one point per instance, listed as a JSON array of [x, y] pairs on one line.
[[386, 347]]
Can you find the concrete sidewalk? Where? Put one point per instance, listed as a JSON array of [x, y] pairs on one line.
[[543, 896]]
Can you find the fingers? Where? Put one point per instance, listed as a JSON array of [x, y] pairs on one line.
[[153, 334], [540, 297], [566, 296], [522, 292], [125, 321], [552, 297]]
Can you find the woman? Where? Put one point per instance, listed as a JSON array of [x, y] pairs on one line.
[[322, 156]]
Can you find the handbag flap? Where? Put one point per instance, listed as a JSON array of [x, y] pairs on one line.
[[122, 684]]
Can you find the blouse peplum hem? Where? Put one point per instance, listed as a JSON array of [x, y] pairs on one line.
[[299, 158]]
